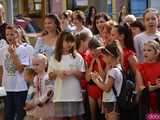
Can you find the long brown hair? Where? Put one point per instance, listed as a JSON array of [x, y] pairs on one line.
[[57, 22], [64, 36], [79, 38]]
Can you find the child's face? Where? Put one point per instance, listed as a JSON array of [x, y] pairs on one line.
[[95, 52], [64, 20], [107, 36], [99, 24], [135, 30], [149, 53], [150, 20], [38, 65], [67, 45], [114, 34], [85, 43], [76, 21], [10, 36]]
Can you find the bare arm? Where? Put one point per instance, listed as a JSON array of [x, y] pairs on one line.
[[104, 86], [133, 61], [89, 70], [101, 71], [139, 81]]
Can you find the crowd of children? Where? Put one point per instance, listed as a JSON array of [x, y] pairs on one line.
[[75, 67]]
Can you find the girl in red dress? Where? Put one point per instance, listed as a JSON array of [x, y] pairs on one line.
[[95, 62], [82, 41], [148, 76]]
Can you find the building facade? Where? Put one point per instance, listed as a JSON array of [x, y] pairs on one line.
[[37, 9]]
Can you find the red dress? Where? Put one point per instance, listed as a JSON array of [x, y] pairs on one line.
[[126, 54], [83, 82], [150, 72], [93, 90]]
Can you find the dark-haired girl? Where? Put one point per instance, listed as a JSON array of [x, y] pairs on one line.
[[46, 42], [90, 17], [66, 67], [95, 62], [123, 34], [64, 18], [113, 77], [129, 61], [79, 21]]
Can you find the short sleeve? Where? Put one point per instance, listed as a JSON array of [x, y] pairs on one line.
[[115, 73], [24, 56], [80, 63], [3, 43]]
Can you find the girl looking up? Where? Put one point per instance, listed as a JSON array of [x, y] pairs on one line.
[[148, 79]]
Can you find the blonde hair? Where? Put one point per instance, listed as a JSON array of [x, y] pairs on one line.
[[3, 11], [43, 58], [155, 45]]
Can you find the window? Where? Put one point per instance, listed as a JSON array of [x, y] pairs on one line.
[[109, 3], [35, 7], [137, 7]]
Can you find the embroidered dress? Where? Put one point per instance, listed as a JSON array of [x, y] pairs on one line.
[[44, 110]]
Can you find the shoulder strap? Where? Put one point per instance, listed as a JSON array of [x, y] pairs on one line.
[[123, 83]]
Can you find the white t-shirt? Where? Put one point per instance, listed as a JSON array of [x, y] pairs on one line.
[[29, 48], [12, 80], [3, 43], [139, 41], [69, 89], [116, 74]]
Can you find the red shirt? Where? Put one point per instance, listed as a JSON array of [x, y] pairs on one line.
[[150, 72], [126, 54]]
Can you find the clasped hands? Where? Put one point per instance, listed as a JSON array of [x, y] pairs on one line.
[[63, 74], [95, 77]]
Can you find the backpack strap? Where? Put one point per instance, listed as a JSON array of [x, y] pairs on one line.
[[123, 83], [114, 91]]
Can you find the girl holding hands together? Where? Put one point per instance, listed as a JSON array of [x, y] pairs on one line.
[[66, 67]]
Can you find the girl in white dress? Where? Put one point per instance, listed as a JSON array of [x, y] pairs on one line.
[[66, 67]]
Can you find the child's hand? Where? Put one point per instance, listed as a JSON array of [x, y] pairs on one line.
[[29, 105], [50, 94], [51, 76], [158, 82], [70, 72], [61, 74], [95, 76], [11, 49]]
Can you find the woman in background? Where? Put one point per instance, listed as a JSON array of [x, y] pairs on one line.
[[45, 44]]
